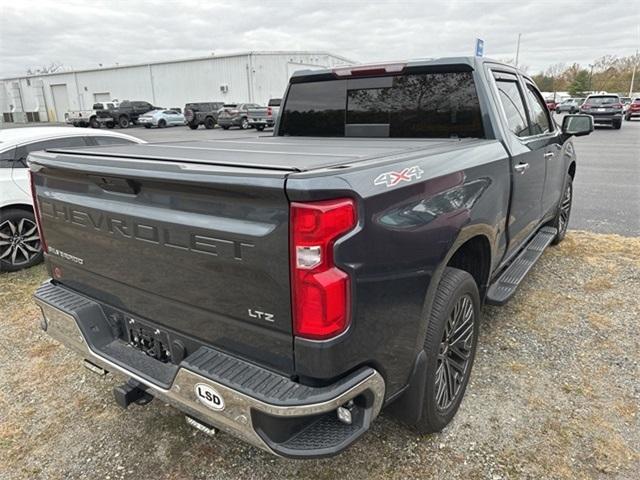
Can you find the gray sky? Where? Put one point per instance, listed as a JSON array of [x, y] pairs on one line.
[[84, 34]]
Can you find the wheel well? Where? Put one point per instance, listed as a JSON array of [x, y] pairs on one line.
[[18, 206], [572, 170], [474, 257]]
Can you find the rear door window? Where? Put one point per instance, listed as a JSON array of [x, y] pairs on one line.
[[512, 103], [540, 121], [6, 158], [23, 151]]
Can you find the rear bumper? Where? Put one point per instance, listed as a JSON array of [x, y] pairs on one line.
[[266, 409], [605, 117]]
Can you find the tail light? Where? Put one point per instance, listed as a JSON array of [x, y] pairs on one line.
[[320, 291], [585, 106], [36, 212], [367, 70], [269, 112], [616, 105]]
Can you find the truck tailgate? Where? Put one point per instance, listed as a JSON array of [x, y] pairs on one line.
[[201, 250]]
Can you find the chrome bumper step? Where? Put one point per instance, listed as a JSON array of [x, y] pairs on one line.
[[262, 407]]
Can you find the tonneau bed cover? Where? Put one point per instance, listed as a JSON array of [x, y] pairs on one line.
[[295, 154]]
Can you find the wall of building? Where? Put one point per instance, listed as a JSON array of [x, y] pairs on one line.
[[253, 77]]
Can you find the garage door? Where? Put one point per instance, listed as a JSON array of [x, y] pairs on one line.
[[102, 97], [60, 100]]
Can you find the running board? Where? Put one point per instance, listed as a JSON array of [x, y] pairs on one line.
[[503, 288]]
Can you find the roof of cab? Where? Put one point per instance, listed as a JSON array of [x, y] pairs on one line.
[[470, 62]]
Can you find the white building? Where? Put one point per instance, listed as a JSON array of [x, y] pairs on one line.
[[243, 77]]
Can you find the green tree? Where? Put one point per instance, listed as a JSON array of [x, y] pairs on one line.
[[580, 84]]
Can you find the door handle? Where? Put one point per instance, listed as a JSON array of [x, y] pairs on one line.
[[521, 167], [549, 155]]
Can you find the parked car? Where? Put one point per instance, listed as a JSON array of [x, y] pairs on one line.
[[87, 118], [20, 245], [551, 104], [262, 117], [202, 113], [633, 110], [570, 105], [626, 101], [123, 115], [235, 115], [343, 273], [161, 119], [604, 108]]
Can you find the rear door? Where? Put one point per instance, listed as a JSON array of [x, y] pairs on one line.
[[528, 168], [197, 249], [545, 136]]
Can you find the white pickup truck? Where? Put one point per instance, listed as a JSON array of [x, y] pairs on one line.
[[87, 118]]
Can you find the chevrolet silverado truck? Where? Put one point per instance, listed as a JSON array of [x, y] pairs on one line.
[[287, 288]]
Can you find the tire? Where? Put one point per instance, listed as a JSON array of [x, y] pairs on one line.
[[244, 123], [627, 118], [209, 123], [226, 127], [123, 122], [162, 123], [24, 252], [193, 126], [110, 124], [146, 125], [455, 315], [94, 123], [260, 128], [561, 220]]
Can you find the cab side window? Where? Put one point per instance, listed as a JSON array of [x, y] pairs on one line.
[[540, 121], [512, 103]]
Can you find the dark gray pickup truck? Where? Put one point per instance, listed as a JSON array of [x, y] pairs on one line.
[[286, 288]]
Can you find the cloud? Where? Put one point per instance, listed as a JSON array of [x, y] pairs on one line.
[[83, 34]]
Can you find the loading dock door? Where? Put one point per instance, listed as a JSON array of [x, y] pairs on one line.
[[60, 100]]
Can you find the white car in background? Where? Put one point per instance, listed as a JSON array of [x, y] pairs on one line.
[[19, 241], [161, 119]]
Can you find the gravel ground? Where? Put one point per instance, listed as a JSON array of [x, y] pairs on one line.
[[554, 393]]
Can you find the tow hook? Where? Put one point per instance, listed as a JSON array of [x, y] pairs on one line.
[[344, 413], [131, 392]]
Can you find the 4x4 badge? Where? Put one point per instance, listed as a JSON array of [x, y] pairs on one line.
[[391, 179]]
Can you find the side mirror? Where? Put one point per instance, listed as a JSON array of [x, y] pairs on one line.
[[577, 125]]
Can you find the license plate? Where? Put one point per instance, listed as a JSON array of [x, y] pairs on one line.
[[601, 109]]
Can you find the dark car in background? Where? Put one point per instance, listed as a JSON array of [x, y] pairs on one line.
[[633, 110], [202, 113], [570, 105], [123, 115], [235, 115], [604, 108]]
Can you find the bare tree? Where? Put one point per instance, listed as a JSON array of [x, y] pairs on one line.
[[52, 67]]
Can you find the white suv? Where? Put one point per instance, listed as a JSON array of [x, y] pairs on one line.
[[19, 240]]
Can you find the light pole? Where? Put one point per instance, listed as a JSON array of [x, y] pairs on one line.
[[518, 49], [590, 78]]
